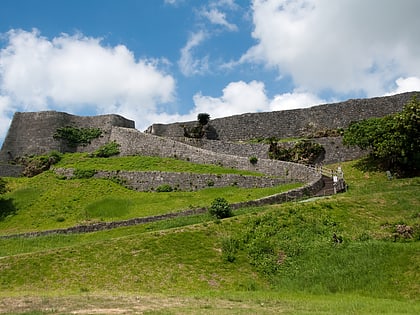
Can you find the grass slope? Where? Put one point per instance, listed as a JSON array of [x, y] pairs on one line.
[[48, 202], [262, 261]]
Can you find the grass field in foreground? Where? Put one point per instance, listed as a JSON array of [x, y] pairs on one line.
[[290, 264]]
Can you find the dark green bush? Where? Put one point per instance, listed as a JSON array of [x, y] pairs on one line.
[[2, 186], [107, 150], [220, 208], [164, 188], [77, 136], [253, 160], [83, 174]]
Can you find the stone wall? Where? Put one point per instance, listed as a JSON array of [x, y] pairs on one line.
[[134, 142], [150, 181], [32, 132], [293, 123], [335, 151]]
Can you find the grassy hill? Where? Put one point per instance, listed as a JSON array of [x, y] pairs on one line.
[[266, 260]]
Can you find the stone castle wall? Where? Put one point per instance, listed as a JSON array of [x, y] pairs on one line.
[[32, 132], [293, 123]]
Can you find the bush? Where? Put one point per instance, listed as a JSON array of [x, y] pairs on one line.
[[77, 136], [253, 160], [2, 186], [164, 188], [35, 165], [83, 174], [220, 208], [107, 150]]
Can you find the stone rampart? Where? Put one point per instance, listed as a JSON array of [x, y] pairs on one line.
[[32, 132], [151, 180], [293, 123], [134, 142]]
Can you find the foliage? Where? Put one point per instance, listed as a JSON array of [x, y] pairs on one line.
[[109, 149], [303, 151], [195, 132], [3, 188], [164, 188], [393, 140], [37, 164], [203, 118], [220, 208], [83, 174], [77, 136], [253, 160]]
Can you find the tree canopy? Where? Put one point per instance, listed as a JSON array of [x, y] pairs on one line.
[[393, 140]]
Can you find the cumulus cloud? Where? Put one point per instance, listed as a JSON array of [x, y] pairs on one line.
[[406, 85], [78, 73], [344, 46], [188, 63], [242, 97]]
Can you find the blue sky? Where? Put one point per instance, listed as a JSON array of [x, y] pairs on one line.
[[168, 60]]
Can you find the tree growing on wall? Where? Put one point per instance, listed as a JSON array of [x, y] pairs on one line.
[[393, 140], [199, 130]]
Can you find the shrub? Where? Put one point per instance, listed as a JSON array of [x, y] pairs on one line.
[[35, 165], [253, 160], [220, 208], [77, 136], [230, 247], [83, 174], [2, 186], [107, 150], [164, 188]]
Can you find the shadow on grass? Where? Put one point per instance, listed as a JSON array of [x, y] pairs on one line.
[[6, 208]]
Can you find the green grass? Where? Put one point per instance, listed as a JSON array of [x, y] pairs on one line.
[[47, 202], [284, 259]]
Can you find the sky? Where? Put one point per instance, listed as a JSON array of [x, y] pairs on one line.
[[162, 61]]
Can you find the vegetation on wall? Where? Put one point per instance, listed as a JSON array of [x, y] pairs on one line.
[[109, 149], [77, 136], [35, 165], [393, 140], [198, 131], [303, 151]]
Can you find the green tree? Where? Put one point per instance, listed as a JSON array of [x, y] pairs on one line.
[[220, 208], [393, 140], [203, 118]]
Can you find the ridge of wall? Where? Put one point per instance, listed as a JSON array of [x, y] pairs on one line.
[[295, 122]]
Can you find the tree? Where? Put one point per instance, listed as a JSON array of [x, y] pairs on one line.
[[393, 140], [220, 208], [203, 118]]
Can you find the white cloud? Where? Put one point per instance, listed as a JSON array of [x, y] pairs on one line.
[[78, 74], [406, 85], [241, 97], [344, 46], [219, 18], [188, 64], [294, 100], [238, 97]]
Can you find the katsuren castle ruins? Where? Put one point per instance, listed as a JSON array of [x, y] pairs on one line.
[[226, 141]]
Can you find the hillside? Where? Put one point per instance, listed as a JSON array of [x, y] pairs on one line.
[[356, 252]]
